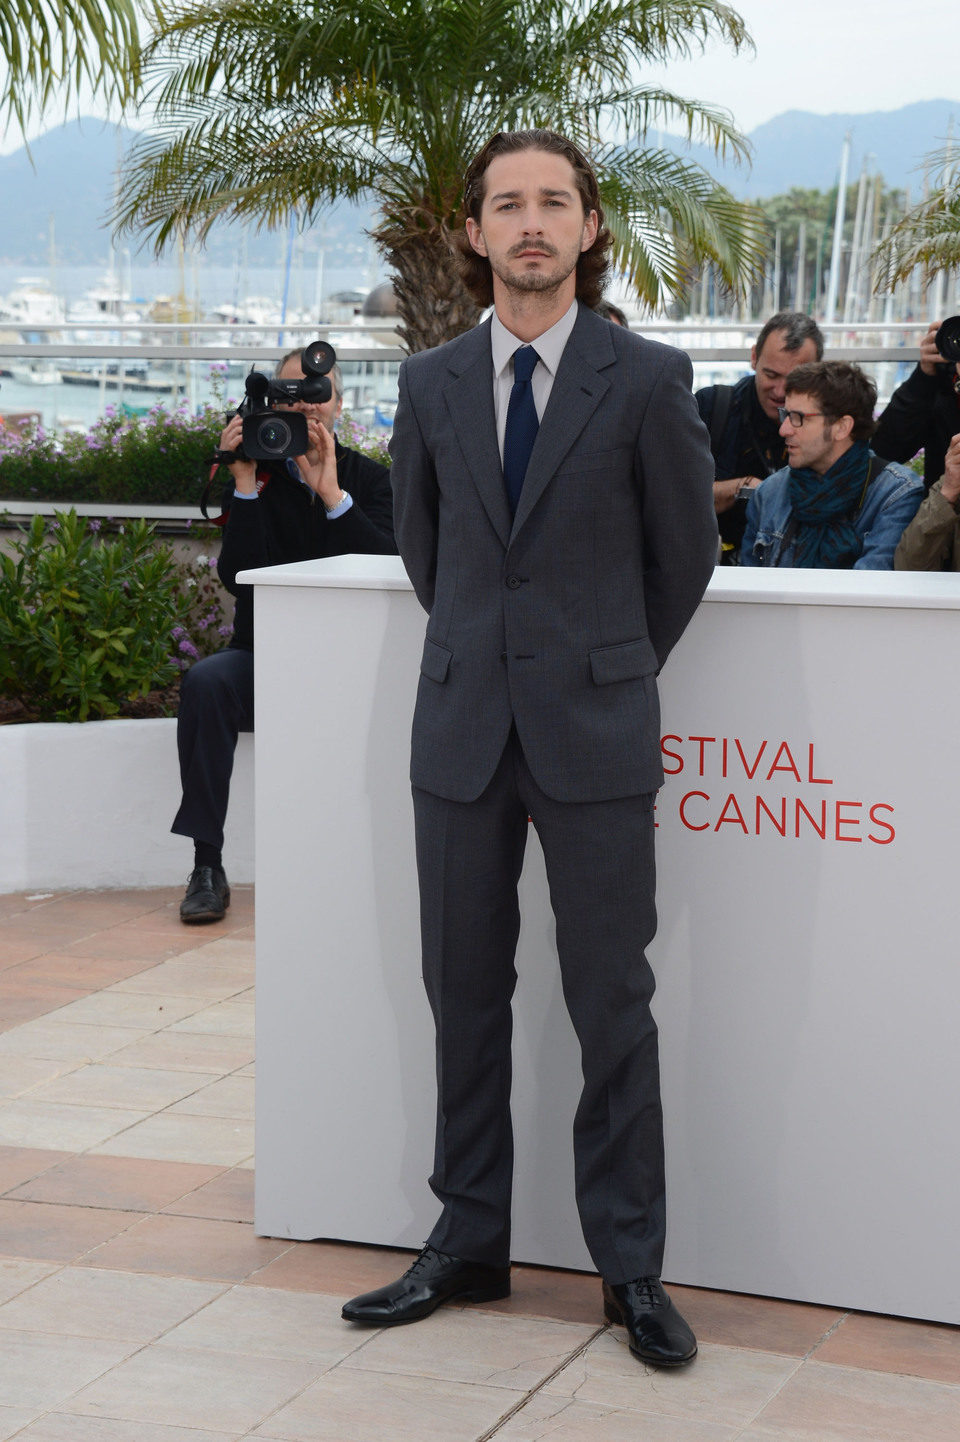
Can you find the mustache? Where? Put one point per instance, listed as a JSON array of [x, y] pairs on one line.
[[517, 250]]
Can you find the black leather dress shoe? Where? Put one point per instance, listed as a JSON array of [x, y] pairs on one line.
[[658, 1334], [433, 1279], [208, 895]]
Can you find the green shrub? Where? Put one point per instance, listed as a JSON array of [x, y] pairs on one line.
[[158, 459], [85, 623], [161, 459]]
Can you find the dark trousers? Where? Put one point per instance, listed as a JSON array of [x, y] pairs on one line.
[[216, 704], [600, 867]]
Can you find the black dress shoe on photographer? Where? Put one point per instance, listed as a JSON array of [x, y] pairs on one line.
[[433, 1279], [208, 895], [658, 1334]]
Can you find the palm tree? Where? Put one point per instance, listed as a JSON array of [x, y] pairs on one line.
[[52, 47], [262, 108], [928, 235]]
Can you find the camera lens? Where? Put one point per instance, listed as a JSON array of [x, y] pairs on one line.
[[947, 339], [273, 436]]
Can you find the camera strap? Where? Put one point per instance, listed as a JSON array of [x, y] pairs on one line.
[[263, 479]]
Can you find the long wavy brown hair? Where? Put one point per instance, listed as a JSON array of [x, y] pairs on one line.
[[593, 264]]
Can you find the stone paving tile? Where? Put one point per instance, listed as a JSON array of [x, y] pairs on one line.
[[554, 1419], [365, 1405], [465, 1346], [227, 1198], [113, 1008], [889, 1344], [19, 1165], [183, 1051], [20, 1074], [541, 1292], [823, 1403], [41, 1370], [187, 1247], [212, 1390], [54, 1038], [190, 975], [222, 1141], [13, 1420], [18, 1276], [118, 1306], [764, 1323], [134, 941], [104, 1084], [338, 1267], [226, 1018], [59, 1427], [85, 974], [261, 1322], [125, 1183], [725, 1384], [26, 1001], [230, 1096], [57, 1234], [25, 1122]]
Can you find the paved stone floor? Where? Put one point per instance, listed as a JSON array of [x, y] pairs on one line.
[[136, 1305]]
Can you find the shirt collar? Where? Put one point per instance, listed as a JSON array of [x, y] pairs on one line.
[[549, 346]]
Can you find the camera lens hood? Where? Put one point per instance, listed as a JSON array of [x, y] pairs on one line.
[[947, 338], [317, 358]]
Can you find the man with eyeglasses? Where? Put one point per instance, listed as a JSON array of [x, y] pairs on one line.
[[836, 505]]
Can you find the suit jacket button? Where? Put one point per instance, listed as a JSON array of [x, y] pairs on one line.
[[513, 582]]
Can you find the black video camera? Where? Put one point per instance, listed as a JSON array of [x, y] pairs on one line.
[[947, 339], [269, 435]]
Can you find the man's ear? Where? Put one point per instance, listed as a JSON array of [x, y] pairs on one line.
[[753, 357], [475, 236], [842, 428]]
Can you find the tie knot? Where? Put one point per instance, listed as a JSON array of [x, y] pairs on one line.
[[524, 361]]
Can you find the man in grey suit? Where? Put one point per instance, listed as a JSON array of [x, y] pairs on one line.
[[553, 505]]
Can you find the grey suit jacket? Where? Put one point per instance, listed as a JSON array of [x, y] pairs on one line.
[[560, 621]]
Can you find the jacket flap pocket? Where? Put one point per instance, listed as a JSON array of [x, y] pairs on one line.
[[625, 662], [435, 662]]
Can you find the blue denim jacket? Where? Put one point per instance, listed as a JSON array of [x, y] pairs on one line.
[[893, 499]]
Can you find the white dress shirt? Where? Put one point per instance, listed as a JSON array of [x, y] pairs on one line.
[[549, 347]]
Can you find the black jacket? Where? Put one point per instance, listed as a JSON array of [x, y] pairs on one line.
[[923, 414], [287, 522], [749, 445]]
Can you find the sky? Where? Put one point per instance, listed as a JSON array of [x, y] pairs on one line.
[[829, 56], [825, 56]]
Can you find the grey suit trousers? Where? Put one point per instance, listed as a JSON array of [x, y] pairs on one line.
[[601, 872]]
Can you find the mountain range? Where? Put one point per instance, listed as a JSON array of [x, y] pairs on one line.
[[66, 180]]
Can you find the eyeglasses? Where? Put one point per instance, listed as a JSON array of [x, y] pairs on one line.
[[796, 418]]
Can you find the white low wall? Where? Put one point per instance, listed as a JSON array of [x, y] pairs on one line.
[[90, 805]]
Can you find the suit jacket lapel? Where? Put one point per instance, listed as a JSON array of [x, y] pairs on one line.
[[578, 388], [469, 397]]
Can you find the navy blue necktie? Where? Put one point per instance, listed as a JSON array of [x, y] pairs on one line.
[[522, 425]]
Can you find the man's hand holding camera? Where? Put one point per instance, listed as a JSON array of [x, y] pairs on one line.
[[318, 465], [244, 472]]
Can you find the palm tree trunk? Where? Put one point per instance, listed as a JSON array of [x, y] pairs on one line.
[[433, 303]]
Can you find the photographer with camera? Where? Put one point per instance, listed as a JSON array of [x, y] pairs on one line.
[[295, 494], [924, 412]]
